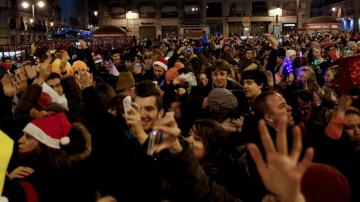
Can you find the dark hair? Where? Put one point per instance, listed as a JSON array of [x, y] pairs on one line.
[[260, 106], [209, 131], [79, 149], [258, 76], [106, 95], [219, 65], [146, 89], [53, 76], [304, 95]]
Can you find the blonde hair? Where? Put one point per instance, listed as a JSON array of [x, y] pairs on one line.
[[311, 82]]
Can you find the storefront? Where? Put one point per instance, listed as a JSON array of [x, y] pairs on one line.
[[169, 31], [322, 23], [236, 28], [288, 27], [147, 32]]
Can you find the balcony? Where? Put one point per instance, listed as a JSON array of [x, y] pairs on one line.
[[169, 10], [147, 15], [214, 10], [259, 8], [169, 14], [118, 12]]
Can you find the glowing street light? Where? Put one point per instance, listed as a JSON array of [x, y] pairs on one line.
[[95, 13], [132, 15], [51, 24], [333, 9], [31, 20], [40, 4], [25, 4]]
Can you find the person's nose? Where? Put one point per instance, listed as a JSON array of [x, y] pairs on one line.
[[143, 113], [21, 140], [357, 130], [289, 108]]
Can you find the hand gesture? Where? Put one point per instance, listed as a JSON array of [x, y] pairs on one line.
[[20, 172], [45, 69], [19, 81], [281, 173], [170, 133], [345, 102], [29, 71], [8, 87], [133, 119]]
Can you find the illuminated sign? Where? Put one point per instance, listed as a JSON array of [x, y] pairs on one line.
[[322, 26], [289, 25]]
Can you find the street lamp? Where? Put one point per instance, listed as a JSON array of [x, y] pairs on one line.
[[26, 5], [276, 12], [130, 16], [96, 13]]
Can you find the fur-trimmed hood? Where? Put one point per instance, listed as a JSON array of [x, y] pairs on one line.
[[81, 146]]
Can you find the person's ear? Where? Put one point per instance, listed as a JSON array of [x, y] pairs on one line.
[[268, 118], [161, 113]]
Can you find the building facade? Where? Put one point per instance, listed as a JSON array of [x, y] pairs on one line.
[[20, 25], [160, 18], [347, 12]]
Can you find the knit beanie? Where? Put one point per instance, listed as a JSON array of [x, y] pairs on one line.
[[324, 183], [126, 80], [221, 100]]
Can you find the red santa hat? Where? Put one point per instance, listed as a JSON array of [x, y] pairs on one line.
[[52, 131], [160, 61]]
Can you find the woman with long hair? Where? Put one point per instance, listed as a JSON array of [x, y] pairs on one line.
[[52, 157]]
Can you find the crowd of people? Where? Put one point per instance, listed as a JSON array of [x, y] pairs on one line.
[[223, 119]]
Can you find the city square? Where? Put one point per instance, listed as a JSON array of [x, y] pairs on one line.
[[180, 101]]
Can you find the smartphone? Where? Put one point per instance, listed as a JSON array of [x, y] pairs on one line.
[[127, 103], [155, 138]]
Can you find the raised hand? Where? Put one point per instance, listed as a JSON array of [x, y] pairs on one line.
[[133, 119], [29, 71], [282, 172], [345, 102], [8, 87], [45, 71], [170, 133]]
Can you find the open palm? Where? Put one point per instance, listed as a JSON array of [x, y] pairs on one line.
[[282, 172]]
